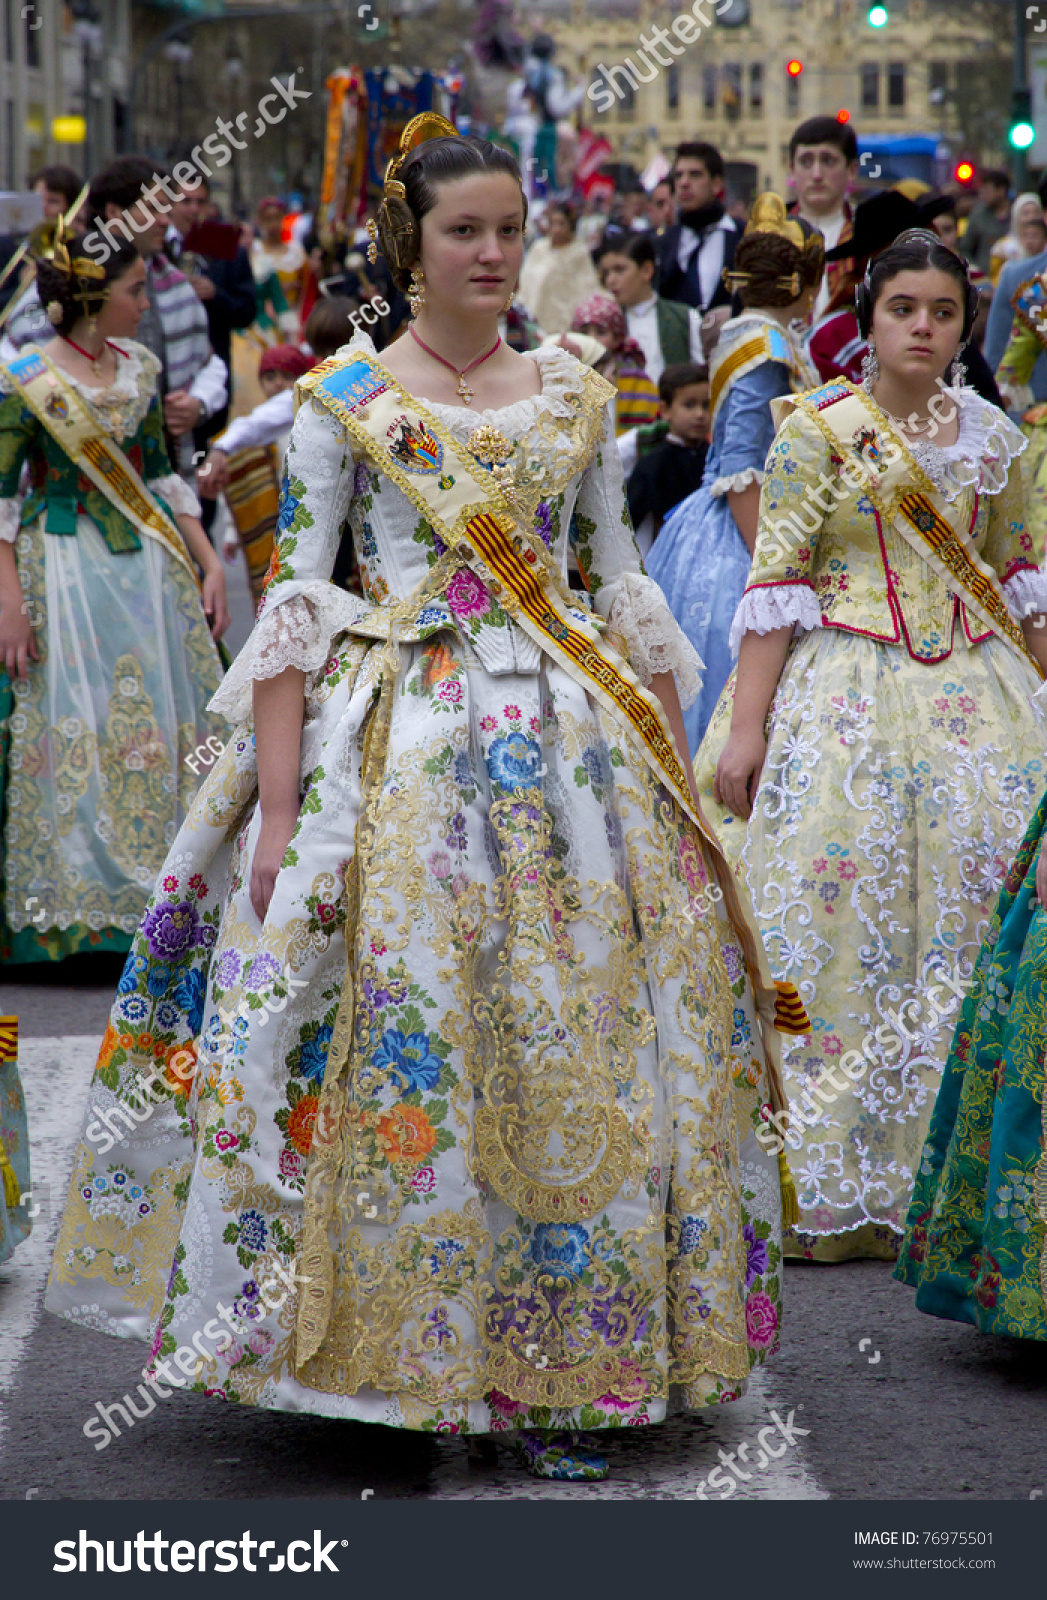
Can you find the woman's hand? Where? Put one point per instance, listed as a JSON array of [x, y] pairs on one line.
[[213, 474], [213, 597], [273, 839], [17, 644], [739, 768]]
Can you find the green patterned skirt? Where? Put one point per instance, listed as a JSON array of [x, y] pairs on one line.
[[974, 1243]]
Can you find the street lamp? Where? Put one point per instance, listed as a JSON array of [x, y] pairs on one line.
[[179, 52], [87, 29]]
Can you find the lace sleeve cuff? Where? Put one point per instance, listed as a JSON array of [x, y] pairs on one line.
[[1026, 592], [10, 518], [736, 481], [297, 632], [175, 493], [775, 605], [654, 642]]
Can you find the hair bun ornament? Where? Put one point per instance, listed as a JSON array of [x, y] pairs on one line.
[[55, 313], [769, 215]]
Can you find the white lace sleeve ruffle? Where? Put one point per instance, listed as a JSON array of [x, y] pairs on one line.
[[176, 493], [654, 641], [10, 518], [736, 481], [1026, 593], [775, 605], [297, 632]]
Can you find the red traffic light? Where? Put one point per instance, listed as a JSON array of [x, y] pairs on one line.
[[964, 172], [794, 68], [843, 115]]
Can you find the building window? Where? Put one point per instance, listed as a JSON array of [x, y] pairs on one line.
[[672, 90], [792, 94], [627, 104], [896, 86], [938, 82], [731, 92], [871, 87], [756, 89], [709, 88]]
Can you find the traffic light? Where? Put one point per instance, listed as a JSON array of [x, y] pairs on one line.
[[964, 172], [843, 115], [794, 68], [1021, 132], [877, 16]]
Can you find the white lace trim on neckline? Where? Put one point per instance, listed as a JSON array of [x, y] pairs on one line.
[[986, 443], [562, 374]]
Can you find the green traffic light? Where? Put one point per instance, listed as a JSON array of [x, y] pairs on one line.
[[1022, 135], [878, 17]]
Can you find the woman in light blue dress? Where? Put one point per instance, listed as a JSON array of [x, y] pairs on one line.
[[701, 557]]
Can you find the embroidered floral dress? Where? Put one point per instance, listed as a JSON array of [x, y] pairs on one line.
[[699, 558], [975, 1247], [539, 1199], [94, 783], [905, 755], [1024, 348]]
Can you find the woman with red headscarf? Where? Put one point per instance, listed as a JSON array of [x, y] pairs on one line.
[[600, 316]]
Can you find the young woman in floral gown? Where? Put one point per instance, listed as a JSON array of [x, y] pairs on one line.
[[873, 766], [474, 1041]]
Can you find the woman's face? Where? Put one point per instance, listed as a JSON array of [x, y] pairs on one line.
[[122, 311], [472, 243], [559, 229], [916, 324]]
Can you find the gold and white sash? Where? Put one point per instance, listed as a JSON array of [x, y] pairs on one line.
[[62, 410], [905, 496]]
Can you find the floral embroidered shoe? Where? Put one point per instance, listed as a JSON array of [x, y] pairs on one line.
[[568, 1457]]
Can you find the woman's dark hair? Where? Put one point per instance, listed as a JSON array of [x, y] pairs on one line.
[[51, 284], [916, 250], [429, 164], [779, 270], [329, 324], [637, 246], [565, 209]]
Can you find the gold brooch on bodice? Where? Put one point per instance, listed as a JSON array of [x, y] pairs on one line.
[[490, 446]]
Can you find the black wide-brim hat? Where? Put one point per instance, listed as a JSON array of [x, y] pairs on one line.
[[877, 223]]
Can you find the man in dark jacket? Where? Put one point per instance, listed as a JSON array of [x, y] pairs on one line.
[[694, 251]]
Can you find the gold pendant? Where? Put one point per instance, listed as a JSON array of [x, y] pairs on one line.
[[464, 389]]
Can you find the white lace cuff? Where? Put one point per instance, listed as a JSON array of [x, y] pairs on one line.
[[654, 642], [1026, 593], [736, 481], [775, 605], [296, 632], [176, 493], [10, 517]]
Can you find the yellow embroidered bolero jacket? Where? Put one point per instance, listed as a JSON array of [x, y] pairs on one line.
[[828, 556]]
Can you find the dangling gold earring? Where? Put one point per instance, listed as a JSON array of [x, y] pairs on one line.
[[416, 293], [512, 297], [372, 234]]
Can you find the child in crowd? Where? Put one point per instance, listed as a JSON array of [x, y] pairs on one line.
[[671, 455]]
